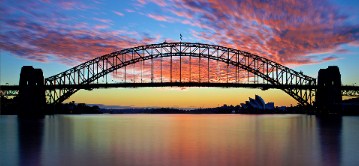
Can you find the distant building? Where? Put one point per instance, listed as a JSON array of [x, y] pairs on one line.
[[243, 105], [258, 104], [270, 106], [282, 108]]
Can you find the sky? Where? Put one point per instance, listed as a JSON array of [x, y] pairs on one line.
[[55, 35]]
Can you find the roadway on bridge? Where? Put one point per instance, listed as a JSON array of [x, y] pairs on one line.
[[176, 84]]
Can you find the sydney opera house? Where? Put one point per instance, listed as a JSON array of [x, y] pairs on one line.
[[258, 104]]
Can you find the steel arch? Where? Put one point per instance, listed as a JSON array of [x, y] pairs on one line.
[[274, 73]]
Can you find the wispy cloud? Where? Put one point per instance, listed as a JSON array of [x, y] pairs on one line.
[[158, 2], [101, 26], [119, 13], [161, 17], [130, 11], [285, 30], [70, 5], [103, 20], [36, 42], [40, 37]]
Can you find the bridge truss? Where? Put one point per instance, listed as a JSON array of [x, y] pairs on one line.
[[9, 93], [183, 62], [350, 91], [13, 90]]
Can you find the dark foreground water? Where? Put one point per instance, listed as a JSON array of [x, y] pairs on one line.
[[146, 139]]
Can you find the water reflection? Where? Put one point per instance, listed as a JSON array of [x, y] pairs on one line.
[[330, 133], [185, 140], [179, 140], [30, 133]]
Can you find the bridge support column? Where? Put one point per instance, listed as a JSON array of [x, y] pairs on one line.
[[328, 97], [32, 99]]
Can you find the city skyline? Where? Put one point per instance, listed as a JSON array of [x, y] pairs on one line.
[[68, 33]]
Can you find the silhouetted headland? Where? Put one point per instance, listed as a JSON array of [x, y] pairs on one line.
[[9, 107]]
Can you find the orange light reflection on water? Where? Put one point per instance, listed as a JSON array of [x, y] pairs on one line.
[[184, 140]]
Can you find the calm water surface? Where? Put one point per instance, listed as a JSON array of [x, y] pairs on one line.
[[146, 139]]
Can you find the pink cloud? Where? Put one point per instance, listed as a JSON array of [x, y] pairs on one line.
[[354, 43], [182, 14], [38, 42], [103, 20], [160, 18], [142, 2], [67, 5], [118, 13], [284, 31], [129, 10], [101, 26], [161, 3], [71, 5], [330, 58], [218, 71]]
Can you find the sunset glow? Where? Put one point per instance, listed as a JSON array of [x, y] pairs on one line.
[[56, 35]]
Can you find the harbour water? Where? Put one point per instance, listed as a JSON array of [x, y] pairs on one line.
[[205, 139]]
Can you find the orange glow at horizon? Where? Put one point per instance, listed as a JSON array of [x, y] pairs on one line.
[[175, 97]]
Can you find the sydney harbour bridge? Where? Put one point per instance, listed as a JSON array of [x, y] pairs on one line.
[[181, 64]]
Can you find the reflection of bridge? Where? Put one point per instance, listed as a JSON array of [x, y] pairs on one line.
[[183, 64]]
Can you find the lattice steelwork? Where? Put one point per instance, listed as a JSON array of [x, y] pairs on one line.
[[9, 93], [170, 58], [350, 92]]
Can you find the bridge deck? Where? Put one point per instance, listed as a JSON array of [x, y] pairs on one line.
[[177, 84]]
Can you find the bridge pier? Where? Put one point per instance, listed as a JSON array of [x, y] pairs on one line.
[[328, 97], [31, 99]]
